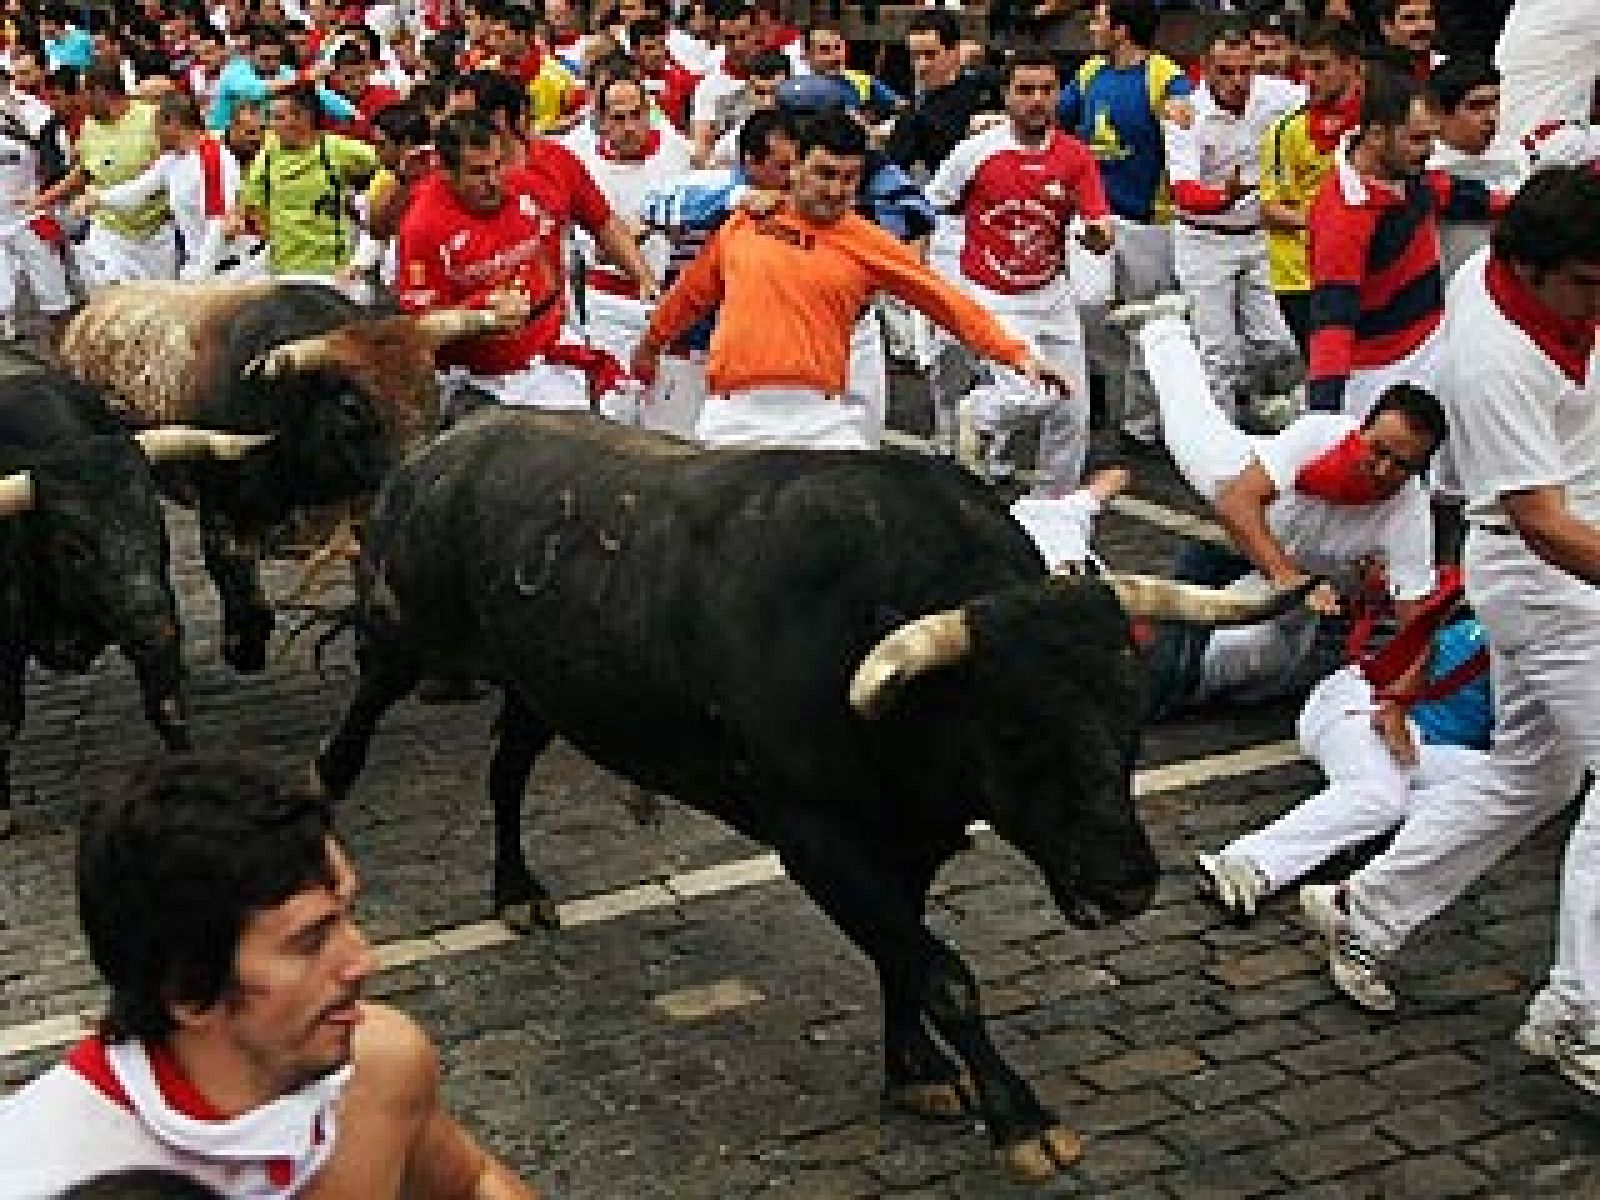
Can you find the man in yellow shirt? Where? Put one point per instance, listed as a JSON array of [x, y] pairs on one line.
[[1297, 155], [117, 142], [299, 189]]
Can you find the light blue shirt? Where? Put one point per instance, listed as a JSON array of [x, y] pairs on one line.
[[239, 84], [74, 48]]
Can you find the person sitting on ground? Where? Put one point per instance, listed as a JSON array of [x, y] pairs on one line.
[[236, 1049], [1371, 782]]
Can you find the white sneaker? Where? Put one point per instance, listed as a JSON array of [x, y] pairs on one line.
[[1565, 1048], [1353, 966], [1129, 317], [1235, 883]]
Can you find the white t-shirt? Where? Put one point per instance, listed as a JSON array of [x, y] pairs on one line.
[[19, 161], [1218, 141], [625, 185], [1517, 420], [1327, 539]]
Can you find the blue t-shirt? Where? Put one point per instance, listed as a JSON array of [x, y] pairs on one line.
[[1466, 717], [1112, 116]]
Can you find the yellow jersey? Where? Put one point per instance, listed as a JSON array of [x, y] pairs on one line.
[[1292, 171]]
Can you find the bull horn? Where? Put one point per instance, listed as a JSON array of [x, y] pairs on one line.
[[183, 443], [303, 354], [1157, 599], [453, 324], [926, 644], [16, 494]]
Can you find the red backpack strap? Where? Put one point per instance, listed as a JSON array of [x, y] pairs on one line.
[[1383, 667]]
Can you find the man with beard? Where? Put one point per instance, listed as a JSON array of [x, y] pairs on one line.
[[480, 235], [1377, 292], [1019, 186], [236, 1049], [1407, 28]]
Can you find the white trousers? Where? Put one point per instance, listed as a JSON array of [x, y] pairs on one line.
[[1368, 791], [1005, 401], [1547, 57], [1245, 343], [786, 416], [1143, 262], [672, 404], [24, 254], [1420, 367], [1209, 449], [106, 257], [868, 381], [1544, 636], [616, 323]]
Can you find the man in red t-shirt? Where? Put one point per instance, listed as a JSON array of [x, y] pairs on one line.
[[670, 85], [1018, 186], [477, 235]]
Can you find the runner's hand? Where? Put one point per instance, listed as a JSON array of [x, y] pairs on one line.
[[761, 202], [510, 307], [1041, 373], [646, 360], [1392, 728]]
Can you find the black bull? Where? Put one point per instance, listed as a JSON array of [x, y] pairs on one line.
[[850, 657], [83, 550]]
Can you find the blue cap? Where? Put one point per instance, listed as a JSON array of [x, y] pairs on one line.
[[809, 95]]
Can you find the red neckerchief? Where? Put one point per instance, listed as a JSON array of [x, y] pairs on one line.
[[1336, 475], [1326, 124], [1567, 343], [652, 144], [88, 1060], [1384, 667], [210, 151]]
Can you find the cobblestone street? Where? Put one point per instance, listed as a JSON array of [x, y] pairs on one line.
[[700, 1030]]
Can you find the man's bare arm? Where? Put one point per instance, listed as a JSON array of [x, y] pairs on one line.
[[1241, 507], [1552, 532]]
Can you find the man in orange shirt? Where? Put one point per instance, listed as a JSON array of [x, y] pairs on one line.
[[790, 286]]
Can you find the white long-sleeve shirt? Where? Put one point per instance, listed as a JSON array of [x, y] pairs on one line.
[[1218, 141], [182, 177]]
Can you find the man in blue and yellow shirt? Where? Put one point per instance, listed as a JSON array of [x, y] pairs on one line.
[[1115, 105]]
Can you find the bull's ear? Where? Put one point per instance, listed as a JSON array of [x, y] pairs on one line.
[[16, 494]]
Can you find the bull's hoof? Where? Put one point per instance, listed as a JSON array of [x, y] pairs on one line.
[[1042, 1156], [936, 1101], [524, 916], [8, 822]]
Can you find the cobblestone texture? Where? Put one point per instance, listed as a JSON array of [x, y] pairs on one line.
[[1199, 1059]]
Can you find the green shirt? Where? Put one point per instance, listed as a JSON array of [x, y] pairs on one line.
[[305, 197], [117, 151]]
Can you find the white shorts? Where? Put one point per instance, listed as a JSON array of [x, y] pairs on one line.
[[539, 385], [786, 416], [672, 404], [28, 255]]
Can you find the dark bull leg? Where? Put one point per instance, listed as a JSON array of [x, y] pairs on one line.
[[235, 568], [12, 708], [520, 900], [919, 973], [384, 680]]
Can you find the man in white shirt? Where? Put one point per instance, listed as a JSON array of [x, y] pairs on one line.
[[1518, 375], [1219, 247], [1466, 97], [1322, 498], [24, 252], [236, 1050], [629, 158], [722, 99], [199, 176], [1547, 55]]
